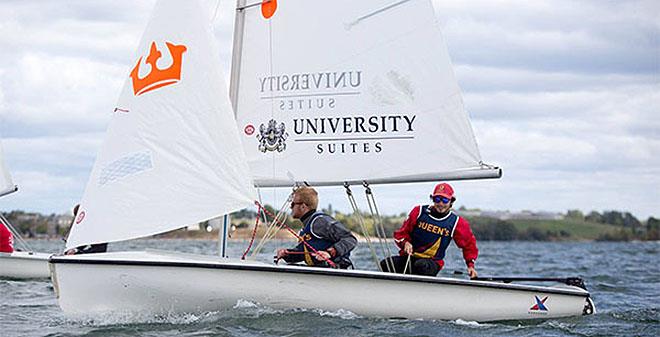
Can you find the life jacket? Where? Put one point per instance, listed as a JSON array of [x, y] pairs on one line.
[[431, 236], [313, 240]]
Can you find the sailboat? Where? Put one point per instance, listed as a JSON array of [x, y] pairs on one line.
[[23, 264], [175, 154]]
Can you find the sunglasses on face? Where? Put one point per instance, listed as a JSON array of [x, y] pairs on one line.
[[438, 198], [293, 204]]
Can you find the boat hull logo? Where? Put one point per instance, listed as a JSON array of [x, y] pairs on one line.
[[271, 137], [540, 306]]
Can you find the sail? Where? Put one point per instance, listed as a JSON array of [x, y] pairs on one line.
[[6, 184], [172, 155], [349, 91]]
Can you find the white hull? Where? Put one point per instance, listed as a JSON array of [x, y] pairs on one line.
[[24, 265], [161, 283]]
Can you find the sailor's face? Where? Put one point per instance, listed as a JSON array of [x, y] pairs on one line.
[[442, 206], [298, 208]]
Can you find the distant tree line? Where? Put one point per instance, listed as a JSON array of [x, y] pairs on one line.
[[485, 228], [631, 227], [31, 225], [490, 229]]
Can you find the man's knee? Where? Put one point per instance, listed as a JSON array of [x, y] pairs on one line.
[[426, 267], [387, 264]]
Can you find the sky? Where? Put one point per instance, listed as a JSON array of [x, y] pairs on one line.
[[563, 95]]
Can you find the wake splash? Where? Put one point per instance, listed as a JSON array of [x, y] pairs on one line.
[[258, 310], [122, 318], [471, 324], [242, 309]]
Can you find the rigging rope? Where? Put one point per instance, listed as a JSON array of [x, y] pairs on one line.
[[273, 228], [363, 227], [378, 226], [406, 267], [254, 233], [282, 224]]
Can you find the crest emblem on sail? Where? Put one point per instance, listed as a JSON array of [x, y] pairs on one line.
[[272, 137], [157, 77]]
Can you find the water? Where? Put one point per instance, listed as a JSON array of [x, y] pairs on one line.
[[624, 279]]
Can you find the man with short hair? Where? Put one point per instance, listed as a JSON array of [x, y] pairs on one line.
[[330, 238], [427, 232]]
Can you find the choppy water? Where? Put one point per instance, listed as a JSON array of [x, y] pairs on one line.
[[624, 279]]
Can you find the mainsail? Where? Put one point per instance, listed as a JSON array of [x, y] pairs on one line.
[[172, 154], [348, 92], [6, 184]]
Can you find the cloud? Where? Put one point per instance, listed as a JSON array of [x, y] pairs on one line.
[[483, 79], [563, 95], [584, 37], [59, 95]]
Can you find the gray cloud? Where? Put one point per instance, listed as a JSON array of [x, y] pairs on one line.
[[583, 37], [563, 95]]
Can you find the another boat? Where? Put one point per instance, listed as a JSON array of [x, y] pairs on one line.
[[173, 156], [24, 263]]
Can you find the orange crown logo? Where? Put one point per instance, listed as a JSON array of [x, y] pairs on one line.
[[158, 77]]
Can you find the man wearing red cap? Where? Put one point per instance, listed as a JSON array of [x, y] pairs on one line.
[[427, 232]]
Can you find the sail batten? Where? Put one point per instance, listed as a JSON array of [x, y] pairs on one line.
[[171, 156], [365, 92]]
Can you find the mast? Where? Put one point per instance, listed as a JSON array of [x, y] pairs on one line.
[[239, 26], [239, 23]]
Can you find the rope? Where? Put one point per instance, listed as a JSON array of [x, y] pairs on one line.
[[407, 264], [378, 225], [363, 227], [273, 228], [332, 264], [254, 233]]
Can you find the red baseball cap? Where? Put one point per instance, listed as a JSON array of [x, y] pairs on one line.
[[443, 190]]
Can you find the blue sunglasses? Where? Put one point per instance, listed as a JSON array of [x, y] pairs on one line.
[[437, 199]]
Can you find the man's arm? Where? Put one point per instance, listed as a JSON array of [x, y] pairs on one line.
[[292, 258], [402, 235], [344, 241], [465, 240]]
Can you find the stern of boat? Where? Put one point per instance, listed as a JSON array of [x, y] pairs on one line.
[[589, 307]]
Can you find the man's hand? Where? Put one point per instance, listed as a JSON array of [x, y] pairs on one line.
[[472, 272], [408, 248], [281, 253], [322, 255]]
